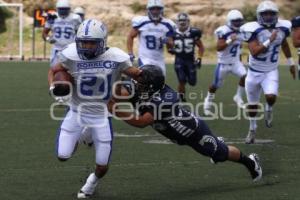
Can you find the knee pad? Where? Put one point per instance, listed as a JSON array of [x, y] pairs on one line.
[[221, 154], [103, 152]]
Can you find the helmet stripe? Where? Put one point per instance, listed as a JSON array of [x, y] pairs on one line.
[[87, 27]]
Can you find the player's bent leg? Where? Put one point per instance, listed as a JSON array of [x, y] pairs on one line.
[[66, 144]]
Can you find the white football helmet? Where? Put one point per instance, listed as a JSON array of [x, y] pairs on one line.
[[183, 21], [63, 8], [79, 11], [235, 19], [267, 13], [93, 32], [155, 9]]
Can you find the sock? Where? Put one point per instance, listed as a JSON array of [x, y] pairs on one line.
[[92, 178], [253, 124], [268, 107], [245, 160], [240, 91], [210, 96]]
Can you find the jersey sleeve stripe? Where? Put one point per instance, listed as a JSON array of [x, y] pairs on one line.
[[87, 27], [140, 25]]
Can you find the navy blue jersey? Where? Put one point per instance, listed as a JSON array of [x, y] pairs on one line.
[[296, 22], [170, 118], [184, 43], [179, 125]]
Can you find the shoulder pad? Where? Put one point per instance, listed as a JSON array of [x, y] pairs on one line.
[[116, 54], [196, 32], [284, 23], [76, 17], [138, 20], [70, 52], [221, 30], [296, 22], [249, 30], [169, 21], [250, 27]]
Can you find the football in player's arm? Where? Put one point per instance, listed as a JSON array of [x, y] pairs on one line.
[[186, 38], [159, 106]]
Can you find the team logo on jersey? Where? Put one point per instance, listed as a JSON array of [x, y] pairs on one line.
[[97, 64], [210, 140]]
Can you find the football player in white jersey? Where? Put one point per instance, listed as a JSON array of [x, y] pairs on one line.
[[153, 31], [63, 29], [94, 68], [229, 43], [79, 11], [265, 37]]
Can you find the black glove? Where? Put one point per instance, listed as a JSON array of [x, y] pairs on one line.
[[198, 63]]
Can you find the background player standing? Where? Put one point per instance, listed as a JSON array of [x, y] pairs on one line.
[[185, 40]]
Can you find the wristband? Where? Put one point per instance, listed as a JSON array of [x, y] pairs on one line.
[[228, 41], [290, 61], [266, 43]]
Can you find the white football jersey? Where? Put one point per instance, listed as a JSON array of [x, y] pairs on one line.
[[231, 54], [64, 30], [93, 78], [269, 60], [151, 37]]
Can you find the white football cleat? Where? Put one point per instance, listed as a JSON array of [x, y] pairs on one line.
[[206, 106], [257, 171], [250, 139], [239, 101], [268, 118], [88, 188]]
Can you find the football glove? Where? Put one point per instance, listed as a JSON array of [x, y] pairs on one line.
[[132, 57], [198, 63]]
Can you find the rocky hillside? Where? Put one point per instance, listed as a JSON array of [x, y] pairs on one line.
[[206, 14]]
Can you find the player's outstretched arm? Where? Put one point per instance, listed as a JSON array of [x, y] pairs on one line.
[[133, 72], [287, 53], [131, 118]]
